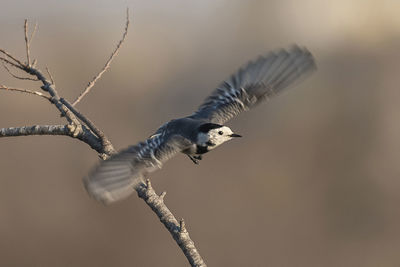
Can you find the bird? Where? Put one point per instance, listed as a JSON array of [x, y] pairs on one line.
[[120, 175]]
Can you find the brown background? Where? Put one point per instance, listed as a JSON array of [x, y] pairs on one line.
[[314, 182]]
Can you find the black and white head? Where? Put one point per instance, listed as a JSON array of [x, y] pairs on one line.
[[212, 135]]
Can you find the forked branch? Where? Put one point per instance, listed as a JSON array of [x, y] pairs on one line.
[[16, 76], [82, 128]]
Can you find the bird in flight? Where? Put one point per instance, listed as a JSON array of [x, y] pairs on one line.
[[117, 177]]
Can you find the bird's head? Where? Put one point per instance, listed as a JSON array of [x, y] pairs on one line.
[[212, 135]]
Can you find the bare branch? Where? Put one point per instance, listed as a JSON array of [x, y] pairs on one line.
[[3, 87], [18, 77], [13, 58], [35, 130], [68, 111], [176, 229], [90, 134], [27, 43], [55, 98], [33, 32], [4, 60], [86, 135], [108, 147], [107, 65], [51, 76]]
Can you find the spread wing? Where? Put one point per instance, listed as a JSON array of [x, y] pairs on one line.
[[261, 79], [116, 178]]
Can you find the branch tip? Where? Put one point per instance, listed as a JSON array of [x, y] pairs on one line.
[[50, 76], [163, 195], [148, 185], [182, 226], [33, 32], [27, 43], [107, 65]]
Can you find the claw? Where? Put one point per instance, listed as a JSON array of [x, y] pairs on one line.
[[194, 159]]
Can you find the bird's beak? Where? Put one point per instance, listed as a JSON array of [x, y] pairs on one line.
[[235, 135]]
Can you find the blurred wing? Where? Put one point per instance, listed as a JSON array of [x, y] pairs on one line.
[[259, 80], [117, 177]]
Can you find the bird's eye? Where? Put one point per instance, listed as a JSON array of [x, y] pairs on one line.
[[220, 133]]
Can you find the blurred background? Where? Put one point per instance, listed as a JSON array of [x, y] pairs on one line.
[[314, 181]]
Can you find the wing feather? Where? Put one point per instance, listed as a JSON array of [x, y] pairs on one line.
[[250, 85], [117, 177]]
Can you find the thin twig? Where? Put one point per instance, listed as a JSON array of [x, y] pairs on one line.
[[16, 76], [4, 60], [107, 65], [13, 58], [27, 42], [51, 76], [33, 32], [3, 87]]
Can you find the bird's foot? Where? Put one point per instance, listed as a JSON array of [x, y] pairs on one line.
[[195, 159]]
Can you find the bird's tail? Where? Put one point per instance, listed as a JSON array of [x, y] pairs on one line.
[[115, 178]]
